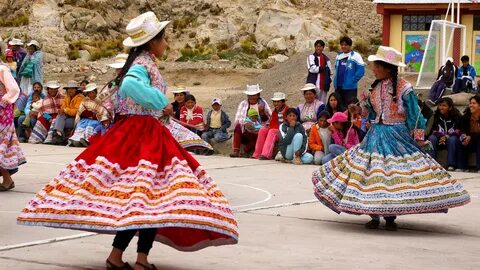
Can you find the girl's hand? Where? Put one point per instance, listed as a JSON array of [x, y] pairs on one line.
[[168, 110], [443, 140], [467, 140]]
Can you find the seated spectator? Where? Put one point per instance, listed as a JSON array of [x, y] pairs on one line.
[[344, 136], [217, 123], [241, 135], [426, 111], [179, 93], [268, 135], [309, 111], [91, 119], [19, 110], [320, 138], [11, 64], [252, 124], [114, 103], [443, 131], [25, 131], [470, 134], [31, 119], [335, 104], [293, 140], [51, 105], [445, 79], [358, 125], [68, 112], [83, 85], [191, 115], [465, 76]]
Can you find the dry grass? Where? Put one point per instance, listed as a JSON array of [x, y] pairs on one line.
[[98, 48], [15, 22]]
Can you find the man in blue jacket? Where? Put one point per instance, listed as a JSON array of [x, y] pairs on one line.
[[466, 74], [349, 69]]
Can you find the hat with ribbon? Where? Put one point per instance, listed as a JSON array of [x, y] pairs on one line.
[[388, 55], [120, 61], [143, 28]]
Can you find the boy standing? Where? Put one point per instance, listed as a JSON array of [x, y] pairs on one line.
[[320, 70]]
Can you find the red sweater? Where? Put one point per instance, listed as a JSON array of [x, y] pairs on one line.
[[274, 123], [197, 119]]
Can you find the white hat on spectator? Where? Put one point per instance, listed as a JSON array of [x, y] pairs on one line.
[[179, 89], [33, 43], [277, 96], [216, 101], [120, 61], [253, 90], [143, 28], [308, 87], [90, 87], [52, 85], [15, 42]]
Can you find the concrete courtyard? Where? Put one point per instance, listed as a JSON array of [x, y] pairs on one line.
[[282, 226]]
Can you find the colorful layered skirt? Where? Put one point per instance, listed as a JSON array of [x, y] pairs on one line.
[[186, 138], [11, 156], [86, 128], [137, 176], [387, 175]]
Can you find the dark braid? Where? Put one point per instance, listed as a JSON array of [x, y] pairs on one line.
[[394, 73]]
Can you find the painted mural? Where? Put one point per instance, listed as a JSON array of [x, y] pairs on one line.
[[415, 46]]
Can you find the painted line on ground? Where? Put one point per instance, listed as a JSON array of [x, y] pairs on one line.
[[266, 199], [46, 241], [277, 206]]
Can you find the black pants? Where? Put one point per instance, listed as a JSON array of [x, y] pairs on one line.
[[145, 239], [348, 95]]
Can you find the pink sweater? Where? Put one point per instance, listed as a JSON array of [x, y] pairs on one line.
[[352, 138]]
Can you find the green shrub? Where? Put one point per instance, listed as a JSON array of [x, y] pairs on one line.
[[17, 21], [361, 46], [227, 54], [197, 83], [73, 54], [98, 48], [333, 45], [376, 41]]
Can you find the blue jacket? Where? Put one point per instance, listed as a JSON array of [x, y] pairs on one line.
[[29, 102], [226, 123], [353, 74], [470, 70]]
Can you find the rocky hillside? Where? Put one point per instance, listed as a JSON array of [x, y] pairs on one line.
[[245, 31]]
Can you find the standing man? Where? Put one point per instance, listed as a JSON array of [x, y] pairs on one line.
[[19, 54], [349, 69], [319, 70]]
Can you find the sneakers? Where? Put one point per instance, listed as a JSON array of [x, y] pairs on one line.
[[450, 169], [391, 226], [279, 156], [297, 161]]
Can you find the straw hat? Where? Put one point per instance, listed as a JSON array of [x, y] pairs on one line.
[[216, 101], [277, 96], [72, 84], [15, 42], [308, 87], [90, 87], [33, 43], [143, 28], [179, 89], [253, 90], [388, 55], [52, 85], [119, 62]]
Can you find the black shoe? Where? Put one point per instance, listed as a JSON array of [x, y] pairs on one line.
[[147, 267], [111, 266], [372, 224], [84, 142], [391, 225]]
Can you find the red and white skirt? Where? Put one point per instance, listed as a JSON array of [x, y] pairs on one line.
[[137, 176]]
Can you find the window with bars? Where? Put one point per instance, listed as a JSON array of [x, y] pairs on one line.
[[418, 22]]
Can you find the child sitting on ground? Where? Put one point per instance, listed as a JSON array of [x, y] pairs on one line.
[[320, 138], [191, 115], [34, 107], [293, 140], [344, 136], [251, 121], [217, 123]]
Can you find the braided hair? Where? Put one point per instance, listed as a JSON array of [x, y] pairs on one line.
[[394, 76], [133, 53]]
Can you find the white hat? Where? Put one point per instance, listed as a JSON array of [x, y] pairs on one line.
[[253, 90], [309, 86], [90, 87], [142, 29], [179, 89], [33, 42], [216, 100], [120, 60], [277, 96], [388, 55], [52, 84], [15, 42]]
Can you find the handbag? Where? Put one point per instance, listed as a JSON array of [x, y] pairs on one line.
[[418, 134], [27, 71]]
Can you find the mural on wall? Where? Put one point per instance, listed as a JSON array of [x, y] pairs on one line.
[[477, 52], [415, 46]]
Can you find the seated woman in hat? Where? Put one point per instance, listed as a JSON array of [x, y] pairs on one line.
[[241, 133], [312, 107], [110, 97], [268, 135], [68, 112], [179, 93], [51, 105], [91, 118], [31, 70]]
